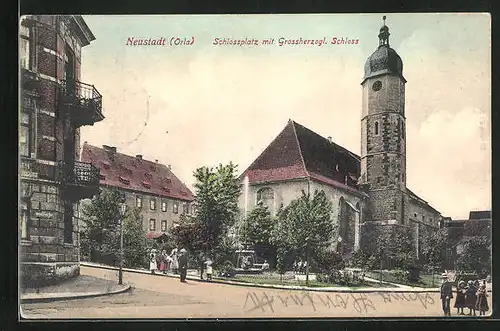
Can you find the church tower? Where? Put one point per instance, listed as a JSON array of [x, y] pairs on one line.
[[383, 135]]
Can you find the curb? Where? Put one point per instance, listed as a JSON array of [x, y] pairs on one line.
[[41, 298], [276, 287]]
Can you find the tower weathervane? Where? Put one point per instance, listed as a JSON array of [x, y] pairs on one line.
[[383, 18]]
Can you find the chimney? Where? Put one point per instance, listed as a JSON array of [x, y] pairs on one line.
[[111, 149], [85, 142], [169, 167], [139, 156], [156, 161], [330, 139]]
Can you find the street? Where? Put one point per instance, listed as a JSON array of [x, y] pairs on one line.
[[165, 297]]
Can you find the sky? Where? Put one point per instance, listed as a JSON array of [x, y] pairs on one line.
[[202, 104]]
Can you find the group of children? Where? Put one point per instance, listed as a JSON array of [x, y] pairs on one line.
[[472, 296], [163, 262]]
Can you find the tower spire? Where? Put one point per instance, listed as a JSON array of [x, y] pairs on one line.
[[384, 34]]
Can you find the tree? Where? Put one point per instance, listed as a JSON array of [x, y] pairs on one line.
[[257, 228], [217, 192], [100, 237], [135, 244], [476, 254], [305, 220], [386, 246], [434, 248], [101, 222]]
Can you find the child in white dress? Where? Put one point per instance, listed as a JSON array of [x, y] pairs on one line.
[[209, 270]]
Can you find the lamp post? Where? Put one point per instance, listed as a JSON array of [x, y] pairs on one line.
[[308, 241], [123, 209]]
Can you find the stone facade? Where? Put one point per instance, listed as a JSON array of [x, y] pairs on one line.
[[49, 143], [347, 218]]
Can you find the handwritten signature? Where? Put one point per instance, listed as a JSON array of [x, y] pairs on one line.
[[359, 301]]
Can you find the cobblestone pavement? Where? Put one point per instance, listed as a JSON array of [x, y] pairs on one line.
[[165, 297]]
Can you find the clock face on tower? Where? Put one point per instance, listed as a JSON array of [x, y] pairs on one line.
[[377, 86]]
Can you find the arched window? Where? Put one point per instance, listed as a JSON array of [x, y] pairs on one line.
[[376, 127], [343, 219], [357, 229], [266, 197]]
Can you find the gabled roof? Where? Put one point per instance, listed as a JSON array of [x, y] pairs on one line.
[[422, 202], [480, 215], [298, 152], [134, 173]]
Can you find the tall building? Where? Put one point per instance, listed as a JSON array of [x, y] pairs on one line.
[[367, 191], [150, 186], [55, 103]]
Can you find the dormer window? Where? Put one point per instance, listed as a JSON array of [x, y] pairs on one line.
[[124, 180], [147, 175], [153, 168], [102, 177], [146, 184], [166, 189], [105, 165]]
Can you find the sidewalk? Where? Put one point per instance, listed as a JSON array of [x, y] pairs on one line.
[[79, 287], [194, 277]]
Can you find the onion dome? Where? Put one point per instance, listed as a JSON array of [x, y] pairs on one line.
[[384, 60]]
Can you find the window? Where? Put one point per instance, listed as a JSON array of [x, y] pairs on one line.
[[24, 223], [152, 224], [176, 207], [376, 127], [414, 214], [193, 209], [265, 196], [163, 206], [24, 45], [138, 202], [163, 226], [26, 146], [423, 218], [152, 204], [185, 208]]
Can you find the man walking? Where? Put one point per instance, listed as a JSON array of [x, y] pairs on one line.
[[183, 259], [446, 295]]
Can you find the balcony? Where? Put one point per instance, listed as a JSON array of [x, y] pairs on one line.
[[83, 103], [79, 180]]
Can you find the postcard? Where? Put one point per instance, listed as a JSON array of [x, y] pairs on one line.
[[255, 166]]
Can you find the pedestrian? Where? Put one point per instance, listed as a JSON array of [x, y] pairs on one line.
[[208, 263], [482, 301], [446, 295], [174, 264], [471, 298], [265, 266], [183, 259], [294, 266], [163, 262], [153, 266], [460, 300], [202, 265]]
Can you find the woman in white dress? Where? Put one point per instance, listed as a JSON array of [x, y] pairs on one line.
[[174, 265], [153, 266]]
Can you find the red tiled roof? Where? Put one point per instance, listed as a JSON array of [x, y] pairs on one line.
[[154, 235], [129, 172], [298, 152]]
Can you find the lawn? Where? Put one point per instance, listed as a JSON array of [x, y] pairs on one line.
[[274, 279], [425, 279]]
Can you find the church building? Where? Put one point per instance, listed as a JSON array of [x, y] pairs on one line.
[[369, 189]]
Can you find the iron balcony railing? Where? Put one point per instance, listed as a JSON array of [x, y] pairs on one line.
[[78, 174], [84, 96]]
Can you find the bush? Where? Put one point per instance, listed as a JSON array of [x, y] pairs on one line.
[[400, 275]]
